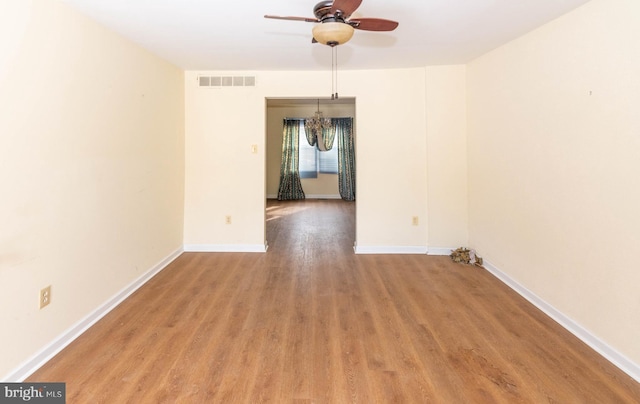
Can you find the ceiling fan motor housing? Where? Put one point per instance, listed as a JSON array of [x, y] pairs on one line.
[[322, 11]]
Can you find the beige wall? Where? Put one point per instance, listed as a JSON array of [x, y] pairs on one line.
[[447, 157], [91, 167], [222, 175], [326, 185], [224, 178], [554, 135]]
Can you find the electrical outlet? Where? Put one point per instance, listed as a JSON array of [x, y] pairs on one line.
[[45, 296], [415, 221], [227, 219]]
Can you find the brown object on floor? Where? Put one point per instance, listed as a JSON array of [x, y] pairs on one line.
[[463, 255], [310, 321]]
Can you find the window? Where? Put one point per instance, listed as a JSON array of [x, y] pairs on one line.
[[313, 161], [308, 157]]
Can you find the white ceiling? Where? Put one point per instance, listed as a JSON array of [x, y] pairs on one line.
[[233, 35]]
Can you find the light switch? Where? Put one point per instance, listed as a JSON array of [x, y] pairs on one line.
[[254, 148]]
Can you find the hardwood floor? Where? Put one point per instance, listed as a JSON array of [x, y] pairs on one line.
[[311, 322]]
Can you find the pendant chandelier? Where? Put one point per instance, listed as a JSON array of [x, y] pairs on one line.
[[318, 122]]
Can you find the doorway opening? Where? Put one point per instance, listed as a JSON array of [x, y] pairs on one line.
[[321, 187]]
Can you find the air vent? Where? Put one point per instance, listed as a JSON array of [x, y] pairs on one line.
[[226, 81]]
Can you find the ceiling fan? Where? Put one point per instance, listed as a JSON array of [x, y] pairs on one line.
[[335, 27]]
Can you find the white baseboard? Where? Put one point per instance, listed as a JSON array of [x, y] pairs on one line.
[[258, 248], [40, 358], [389, 249], [402, 250], [625, 364], [439, 251]]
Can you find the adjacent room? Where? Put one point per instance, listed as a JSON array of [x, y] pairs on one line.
[[152, 239]]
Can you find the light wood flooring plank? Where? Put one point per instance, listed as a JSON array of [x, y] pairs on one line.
[[311, 322]]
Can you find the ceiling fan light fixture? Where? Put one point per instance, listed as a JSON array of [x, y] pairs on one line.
[[333, 33]]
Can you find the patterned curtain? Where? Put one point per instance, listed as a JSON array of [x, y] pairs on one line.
[[290, 187], [312, 136], [346, 159], [328, 135]]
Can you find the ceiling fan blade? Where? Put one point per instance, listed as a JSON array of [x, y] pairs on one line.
[[306, 19], [346, 7], [373, 24]]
